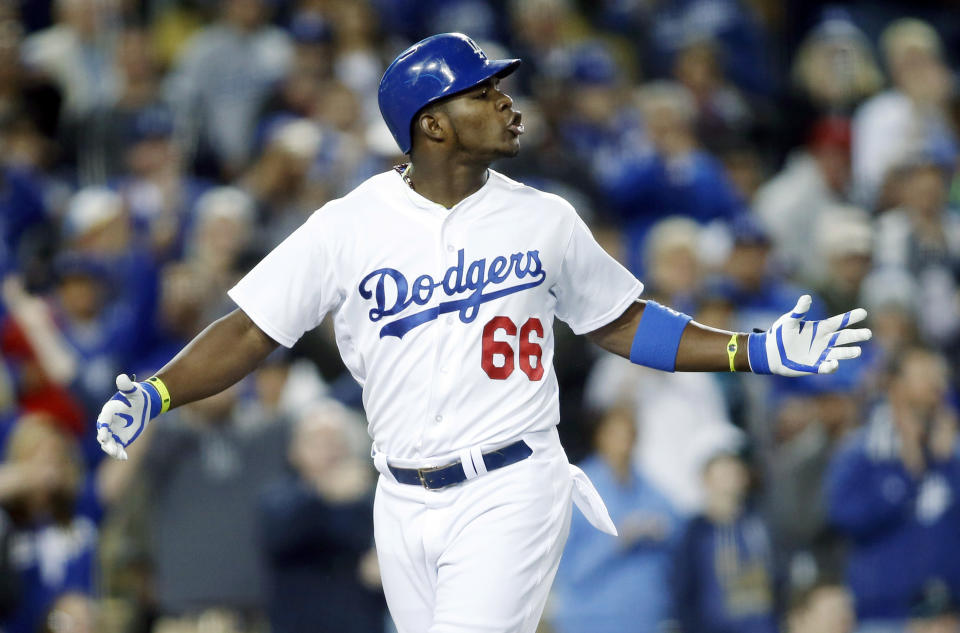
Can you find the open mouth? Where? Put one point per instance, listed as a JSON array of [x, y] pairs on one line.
[[516, 127]]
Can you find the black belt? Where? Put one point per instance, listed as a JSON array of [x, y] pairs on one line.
[[453, 474]]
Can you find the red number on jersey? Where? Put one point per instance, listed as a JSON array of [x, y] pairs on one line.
[[529, 350], [492, 348]]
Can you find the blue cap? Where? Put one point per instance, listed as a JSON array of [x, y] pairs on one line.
[[310, 28], [154, 121]]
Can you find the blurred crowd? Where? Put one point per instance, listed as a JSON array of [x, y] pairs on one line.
[[732, 153]]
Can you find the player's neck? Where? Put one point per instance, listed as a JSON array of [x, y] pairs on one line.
[[444, 183]]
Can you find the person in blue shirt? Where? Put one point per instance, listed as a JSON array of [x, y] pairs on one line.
[[723, 576], [893, 489], [317, 533], [607, 585], [673, 177], [55, 509]]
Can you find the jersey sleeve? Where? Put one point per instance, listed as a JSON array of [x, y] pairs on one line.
[[593, 288], [290, 291]]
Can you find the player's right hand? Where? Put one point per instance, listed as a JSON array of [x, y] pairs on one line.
[[124, 417]]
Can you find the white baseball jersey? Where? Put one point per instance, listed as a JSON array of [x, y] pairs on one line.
[[444, 316]]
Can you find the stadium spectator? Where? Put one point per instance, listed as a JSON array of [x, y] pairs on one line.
[[38, 357], [677, 177], [908, 119], [220, 235], [609, 585], [749, 279], [834, 71], [810, 420], [55, 508], [724, 577], [893, 488], [77, 54], [814, 179], [203, 474], [671, 259], [597, 123], [922, 236], [316, 531], [223, 79], [844, 246], [732, 24], [282, 181], [95, 140], [356, 61], [891, 297], [672, 407], [722, 112], [156, 188]]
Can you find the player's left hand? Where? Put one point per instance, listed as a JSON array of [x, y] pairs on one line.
[[794, 346]]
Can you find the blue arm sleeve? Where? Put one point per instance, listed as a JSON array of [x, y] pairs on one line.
[[657, 339]]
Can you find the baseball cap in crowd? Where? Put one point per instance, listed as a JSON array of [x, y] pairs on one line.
[[831, 131], [747, 230], [310, 28], [837, 24], [91, 208], [75, 264], [844, 230], [153, 122], [592, 63]]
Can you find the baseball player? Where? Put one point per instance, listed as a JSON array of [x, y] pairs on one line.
[[444, 278]]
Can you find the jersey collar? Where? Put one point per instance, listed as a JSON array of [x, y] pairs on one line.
[[435, 208]]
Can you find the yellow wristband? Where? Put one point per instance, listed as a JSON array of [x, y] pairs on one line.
[[164, 394], [732, 351]]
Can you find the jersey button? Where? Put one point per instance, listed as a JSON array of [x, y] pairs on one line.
[[450, 247], [449, 320], [439, 418]]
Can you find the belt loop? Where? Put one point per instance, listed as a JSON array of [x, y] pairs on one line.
[[477, 457], [467, 463], [380, 463]]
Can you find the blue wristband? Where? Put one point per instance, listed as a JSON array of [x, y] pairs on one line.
[[155, 402], [657, 339], [757, 353]]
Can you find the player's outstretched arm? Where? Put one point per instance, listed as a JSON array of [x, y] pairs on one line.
[[655, 336], [223, 353]]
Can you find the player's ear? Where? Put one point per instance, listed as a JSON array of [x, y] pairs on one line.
[[433, 123]]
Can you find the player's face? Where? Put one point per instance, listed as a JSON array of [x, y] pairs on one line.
[[484, 123]]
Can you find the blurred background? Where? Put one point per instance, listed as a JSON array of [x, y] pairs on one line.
[[732, 153]]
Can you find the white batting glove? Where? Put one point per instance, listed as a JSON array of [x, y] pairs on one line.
[[124, 416], [796, 347]]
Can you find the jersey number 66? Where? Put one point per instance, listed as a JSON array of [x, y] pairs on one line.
[[530, 352]]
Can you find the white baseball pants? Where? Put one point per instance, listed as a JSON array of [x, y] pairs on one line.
[[478, 557]]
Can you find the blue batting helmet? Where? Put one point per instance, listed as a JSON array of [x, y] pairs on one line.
[[437, 67]]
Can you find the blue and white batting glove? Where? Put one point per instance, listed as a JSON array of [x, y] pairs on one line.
[[796, 347], [124, 417]]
